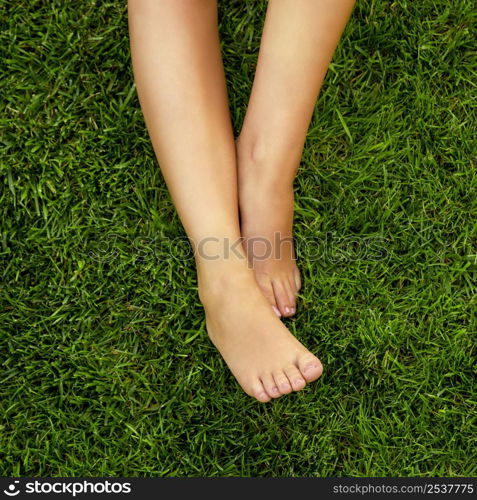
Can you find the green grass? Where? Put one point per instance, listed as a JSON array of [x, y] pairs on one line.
[[106, 368]]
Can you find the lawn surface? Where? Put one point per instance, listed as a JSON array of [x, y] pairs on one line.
[[106, 368]]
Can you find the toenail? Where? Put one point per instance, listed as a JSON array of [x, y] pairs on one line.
[[277, 312], [287, 310], [311, 367], [275, 390], [293, 310]]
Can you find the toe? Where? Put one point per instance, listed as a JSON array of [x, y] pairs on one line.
[[270, 386], [292, 285], [310, 367], [282, 382], [297, 279], [259, 392], [267, 289], [295, 377], [291, 296], [282, 296]]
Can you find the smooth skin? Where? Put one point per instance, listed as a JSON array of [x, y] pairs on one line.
[[298, 42], [181, 87]]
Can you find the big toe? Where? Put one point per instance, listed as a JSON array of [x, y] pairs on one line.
[[285, 298], [297, 279], [310, 367], [267, 289]]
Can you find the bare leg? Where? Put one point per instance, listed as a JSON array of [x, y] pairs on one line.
[[298, 42], [180, 82]]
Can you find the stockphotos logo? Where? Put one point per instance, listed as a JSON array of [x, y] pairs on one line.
[[73, 488], [12, 490]]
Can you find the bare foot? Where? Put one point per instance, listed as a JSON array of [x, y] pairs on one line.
[[266, 213], [265, 358]]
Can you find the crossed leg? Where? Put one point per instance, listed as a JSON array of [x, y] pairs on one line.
[[298, 42], [180, 82]]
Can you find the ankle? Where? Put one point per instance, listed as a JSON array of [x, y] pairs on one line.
[[265, 196], [215, 279]]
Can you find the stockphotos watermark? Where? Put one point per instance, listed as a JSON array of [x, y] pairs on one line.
[[328, 248], [69, 487]]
